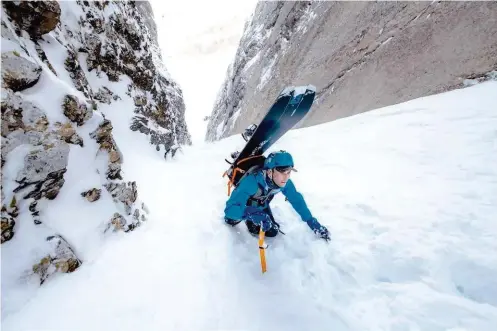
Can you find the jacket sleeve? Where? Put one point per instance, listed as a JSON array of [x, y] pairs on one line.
[[297, 201], [236, 204]]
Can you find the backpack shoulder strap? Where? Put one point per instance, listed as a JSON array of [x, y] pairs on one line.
[[243, 167]]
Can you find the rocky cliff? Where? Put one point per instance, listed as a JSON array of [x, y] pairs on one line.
[[72, 74], [359, 55]]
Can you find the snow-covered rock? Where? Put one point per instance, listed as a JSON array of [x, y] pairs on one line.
[[105, 95], [68, 133], [359, 55], [116, 223], [103, 136], [114, 39], [61, 258], [92, 195], [20, 114], [43, 171], [8, 223], [74, 110], [9, 213], [76, 76], [18, 73]]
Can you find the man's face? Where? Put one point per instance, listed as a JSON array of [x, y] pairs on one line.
[[280, 177]]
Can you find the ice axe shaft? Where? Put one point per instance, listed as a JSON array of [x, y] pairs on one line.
[[262, 250]]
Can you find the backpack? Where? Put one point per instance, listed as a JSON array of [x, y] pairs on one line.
[[241, 168]]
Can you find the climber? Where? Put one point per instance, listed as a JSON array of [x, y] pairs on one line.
[[250, 200]]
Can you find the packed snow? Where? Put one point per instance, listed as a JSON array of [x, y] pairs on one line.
[[407, 192]]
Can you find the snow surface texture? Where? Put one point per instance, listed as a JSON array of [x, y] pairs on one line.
[[407, 192]]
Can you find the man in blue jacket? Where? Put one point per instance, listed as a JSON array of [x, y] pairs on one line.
[[250, 200]]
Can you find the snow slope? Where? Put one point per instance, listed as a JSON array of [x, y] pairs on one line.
[[407, 192]]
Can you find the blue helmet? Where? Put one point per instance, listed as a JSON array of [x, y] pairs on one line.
[[280, 159]]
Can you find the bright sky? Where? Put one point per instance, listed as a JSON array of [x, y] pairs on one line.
[[199, 40]]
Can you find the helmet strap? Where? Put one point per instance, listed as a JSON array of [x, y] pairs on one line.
[[271, 184]]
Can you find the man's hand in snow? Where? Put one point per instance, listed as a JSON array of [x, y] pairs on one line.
[[318, 229], [322, 232]]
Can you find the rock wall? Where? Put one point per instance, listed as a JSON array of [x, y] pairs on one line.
[[359, 55], [66, 67]]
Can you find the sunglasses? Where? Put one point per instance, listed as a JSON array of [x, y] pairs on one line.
[[282, 169]]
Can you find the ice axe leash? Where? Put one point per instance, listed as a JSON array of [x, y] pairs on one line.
[[262, 249]]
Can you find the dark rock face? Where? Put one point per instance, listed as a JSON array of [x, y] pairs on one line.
[[103, 136], [124, 194], [9, 214], [35, 17], [359, 55], [74, 110]]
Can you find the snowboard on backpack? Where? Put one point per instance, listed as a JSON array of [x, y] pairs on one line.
[[291, 105]]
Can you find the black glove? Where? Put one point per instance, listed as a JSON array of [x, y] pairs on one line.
[[322, 232], [318, 229], [230, 221]]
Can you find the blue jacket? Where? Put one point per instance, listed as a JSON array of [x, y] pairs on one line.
[[237, 203]]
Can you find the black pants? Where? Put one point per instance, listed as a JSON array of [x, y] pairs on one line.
[[255, 229]]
